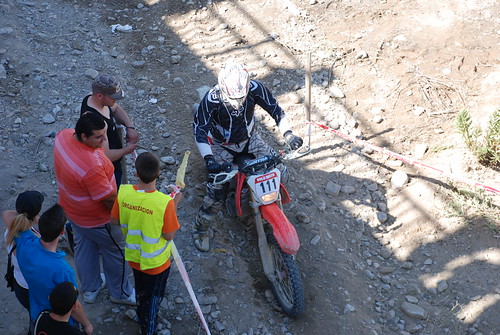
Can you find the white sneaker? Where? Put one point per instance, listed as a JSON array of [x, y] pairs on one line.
[[89, 297], [130, 300]]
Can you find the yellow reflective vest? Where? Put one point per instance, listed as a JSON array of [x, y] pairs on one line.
[[141, 220]]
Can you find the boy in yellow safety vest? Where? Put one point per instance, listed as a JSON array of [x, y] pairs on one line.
[[148, 220]]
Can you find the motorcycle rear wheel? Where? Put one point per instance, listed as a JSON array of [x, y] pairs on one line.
[[287, 285]]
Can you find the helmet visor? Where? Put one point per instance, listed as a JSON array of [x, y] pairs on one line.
[[235, 103]]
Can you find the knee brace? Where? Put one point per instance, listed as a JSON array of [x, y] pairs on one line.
[[217, 193]]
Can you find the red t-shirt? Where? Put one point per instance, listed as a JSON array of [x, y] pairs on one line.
[[85, 176]]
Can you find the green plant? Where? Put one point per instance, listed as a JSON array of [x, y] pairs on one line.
[[493, 228], [485, 146], [473, 206]]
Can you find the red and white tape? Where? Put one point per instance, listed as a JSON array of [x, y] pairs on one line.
[[174, 189], [187, 282], [410, 160]]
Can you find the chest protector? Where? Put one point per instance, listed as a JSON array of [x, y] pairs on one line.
[[141, 220]]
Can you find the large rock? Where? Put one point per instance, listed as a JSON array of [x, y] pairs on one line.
[[336, 92], [414, 311], [332, 188], [399, 179], [48, 119], [168, 160]]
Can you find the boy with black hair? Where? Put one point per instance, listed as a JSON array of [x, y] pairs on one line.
[[51, 223], [149, 221], [63, 299], [44, 267]]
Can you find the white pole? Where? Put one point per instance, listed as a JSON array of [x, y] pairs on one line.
[[308, 99]]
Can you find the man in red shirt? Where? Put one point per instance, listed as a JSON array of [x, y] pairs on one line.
[[87, 191]]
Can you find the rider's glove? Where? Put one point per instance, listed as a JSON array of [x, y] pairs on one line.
[[226, 167], [212, 165], [293, 141]]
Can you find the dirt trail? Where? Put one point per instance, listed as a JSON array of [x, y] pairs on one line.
[[375, 260]]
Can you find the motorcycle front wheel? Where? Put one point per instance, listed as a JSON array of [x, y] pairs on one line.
[[287, 285]]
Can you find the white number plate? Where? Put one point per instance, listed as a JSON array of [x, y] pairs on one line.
[[266, 183]]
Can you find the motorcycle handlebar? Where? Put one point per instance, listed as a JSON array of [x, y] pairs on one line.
[[248, 167], [222, 177], [257, 164]]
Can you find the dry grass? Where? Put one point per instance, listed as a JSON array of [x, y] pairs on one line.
[[473, 206]]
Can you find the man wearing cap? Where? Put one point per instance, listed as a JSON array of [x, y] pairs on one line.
[[106, 90], [87, 191]]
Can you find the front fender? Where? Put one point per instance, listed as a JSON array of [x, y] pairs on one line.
[[283, 230]]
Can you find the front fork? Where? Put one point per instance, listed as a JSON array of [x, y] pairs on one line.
[[265, 251]]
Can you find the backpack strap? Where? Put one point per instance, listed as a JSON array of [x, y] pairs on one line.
[[11, 251], [42, 313], [9, 276], [9, 258]]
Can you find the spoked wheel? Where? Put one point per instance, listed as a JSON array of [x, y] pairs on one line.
[[287, 285]]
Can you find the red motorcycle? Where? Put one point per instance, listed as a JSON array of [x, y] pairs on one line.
[[256, 192]]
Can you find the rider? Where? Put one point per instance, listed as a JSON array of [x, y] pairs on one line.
[[224, 127]]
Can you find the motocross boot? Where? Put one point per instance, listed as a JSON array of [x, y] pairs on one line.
[[200, 230], [213, 201]]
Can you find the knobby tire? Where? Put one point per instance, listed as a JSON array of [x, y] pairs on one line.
[[287, 287]]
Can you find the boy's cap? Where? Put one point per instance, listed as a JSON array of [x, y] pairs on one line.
[[29, 203], [108, 85], [63, 297]]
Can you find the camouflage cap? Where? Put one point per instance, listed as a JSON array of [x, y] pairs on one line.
[[108, 85]]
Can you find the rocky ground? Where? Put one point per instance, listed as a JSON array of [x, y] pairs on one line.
[[379, 255]]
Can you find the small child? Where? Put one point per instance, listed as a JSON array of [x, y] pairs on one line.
[[56, 321], [149, 222]]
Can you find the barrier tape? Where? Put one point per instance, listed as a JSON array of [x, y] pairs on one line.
[[179, 184], [187, 282], [410, 161], [174, 189]]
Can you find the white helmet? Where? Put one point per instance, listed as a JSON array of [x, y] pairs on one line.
[[234, 82]]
